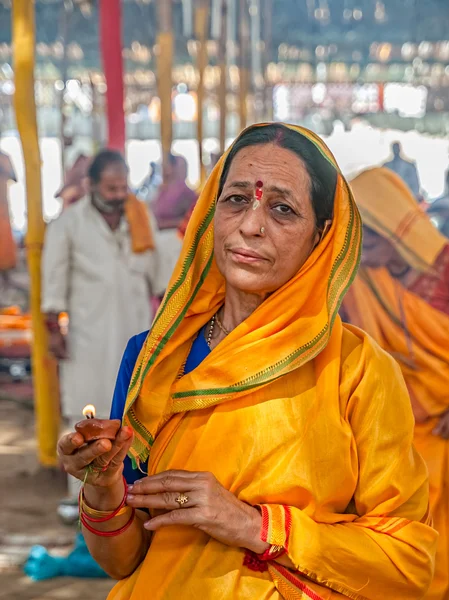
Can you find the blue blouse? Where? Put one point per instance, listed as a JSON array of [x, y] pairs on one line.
[[197, 354]]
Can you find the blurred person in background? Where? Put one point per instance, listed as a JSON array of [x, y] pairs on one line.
[[214, 158], [76, 182], [406, 169], [173, 203], [147, 190], [8, 248], [100, 266], [401, 298], [174, 198], [438, 209]]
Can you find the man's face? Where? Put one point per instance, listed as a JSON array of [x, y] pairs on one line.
[[110, 193]]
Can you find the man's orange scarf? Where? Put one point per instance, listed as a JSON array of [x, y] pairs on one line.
[[136, 213]]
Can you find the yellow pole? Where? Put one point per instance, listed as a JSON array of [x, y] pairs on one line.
[[244, 71], [44, 367], [222, 92], [164, 73], [201, 23]]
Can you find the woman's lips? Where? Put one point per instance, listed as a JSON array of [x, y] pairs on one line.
[[246, 256]]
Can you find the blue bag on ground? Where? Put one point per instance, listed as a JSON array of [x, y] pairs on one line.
[[79, 563]]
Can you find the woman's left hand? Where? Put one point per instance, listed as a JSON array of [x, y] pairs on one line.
[[210, 507]]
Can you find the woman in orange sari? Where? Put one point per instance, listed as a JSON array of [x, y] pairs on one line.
[[401, 298], [276, 463]]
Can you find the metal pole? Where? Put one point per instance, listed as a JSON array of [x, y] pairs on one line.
[[164, 73], [244, 71], [64, 25], [222, 92], [216, 19], [256, 54], [187, 18], [44, 367], [231, 30], [268, 40], [201, 22], [95, 116]]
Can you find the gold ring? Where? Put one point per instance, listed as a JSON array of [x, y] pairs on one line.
[[182, 499]]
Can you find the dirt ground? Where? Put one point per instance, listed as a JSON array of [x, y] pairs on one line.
[[28, 501]]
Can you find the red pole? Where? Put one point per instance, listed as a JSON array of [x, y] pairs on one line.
[[111, 53]]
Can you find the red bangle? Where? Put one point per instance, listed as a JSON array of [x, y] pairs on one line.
[[82, 500], [108, 533]]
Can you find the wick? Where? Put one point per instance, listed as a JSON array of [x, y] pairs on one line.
[[89, 411]]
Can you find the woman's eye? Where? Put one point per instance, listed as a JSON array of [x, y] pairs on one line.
[[237, 200], [283, 209]]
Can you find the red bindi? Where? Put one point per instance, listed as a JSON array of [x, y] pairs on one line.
[[259, 192]]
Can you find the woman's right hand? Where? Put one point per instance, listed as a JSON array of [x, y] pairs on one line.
[[77, 457]]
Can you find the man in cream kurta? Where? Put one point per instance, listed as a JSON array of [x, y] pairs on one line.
[[102, 262], [90, 272]]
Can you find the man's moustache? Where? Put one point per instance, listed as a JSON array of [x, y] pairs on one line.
[[110, 206]]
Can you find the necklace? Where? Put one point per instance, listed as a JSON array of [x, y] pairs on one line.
[[221, 326], [211, 331]]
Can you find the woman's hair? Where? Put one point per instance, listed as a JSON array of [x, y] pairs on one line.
[[102, 161], [323, 175]]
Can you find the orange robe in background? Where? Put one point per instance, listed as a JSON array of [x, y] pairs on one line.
[[412, 330]]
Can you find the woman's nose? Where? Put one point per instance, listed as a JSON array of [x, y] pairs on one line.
[[253, 220]]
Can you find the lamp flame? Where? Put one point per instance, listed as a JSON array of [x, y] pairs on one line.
[[89, 411]]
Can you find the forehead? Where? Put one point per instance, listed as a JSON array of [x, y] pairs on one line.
[[114, 173], [271, 164]]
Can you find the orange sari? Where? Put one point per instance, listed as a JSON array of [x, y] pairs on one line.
[[289, 413]]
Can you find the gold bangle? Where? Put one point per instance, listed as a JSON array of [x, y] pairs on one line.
[[99, 514]]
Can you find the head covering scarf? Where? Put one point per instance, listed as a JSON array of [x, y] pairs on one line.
[[298, 330], [388, 207]]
